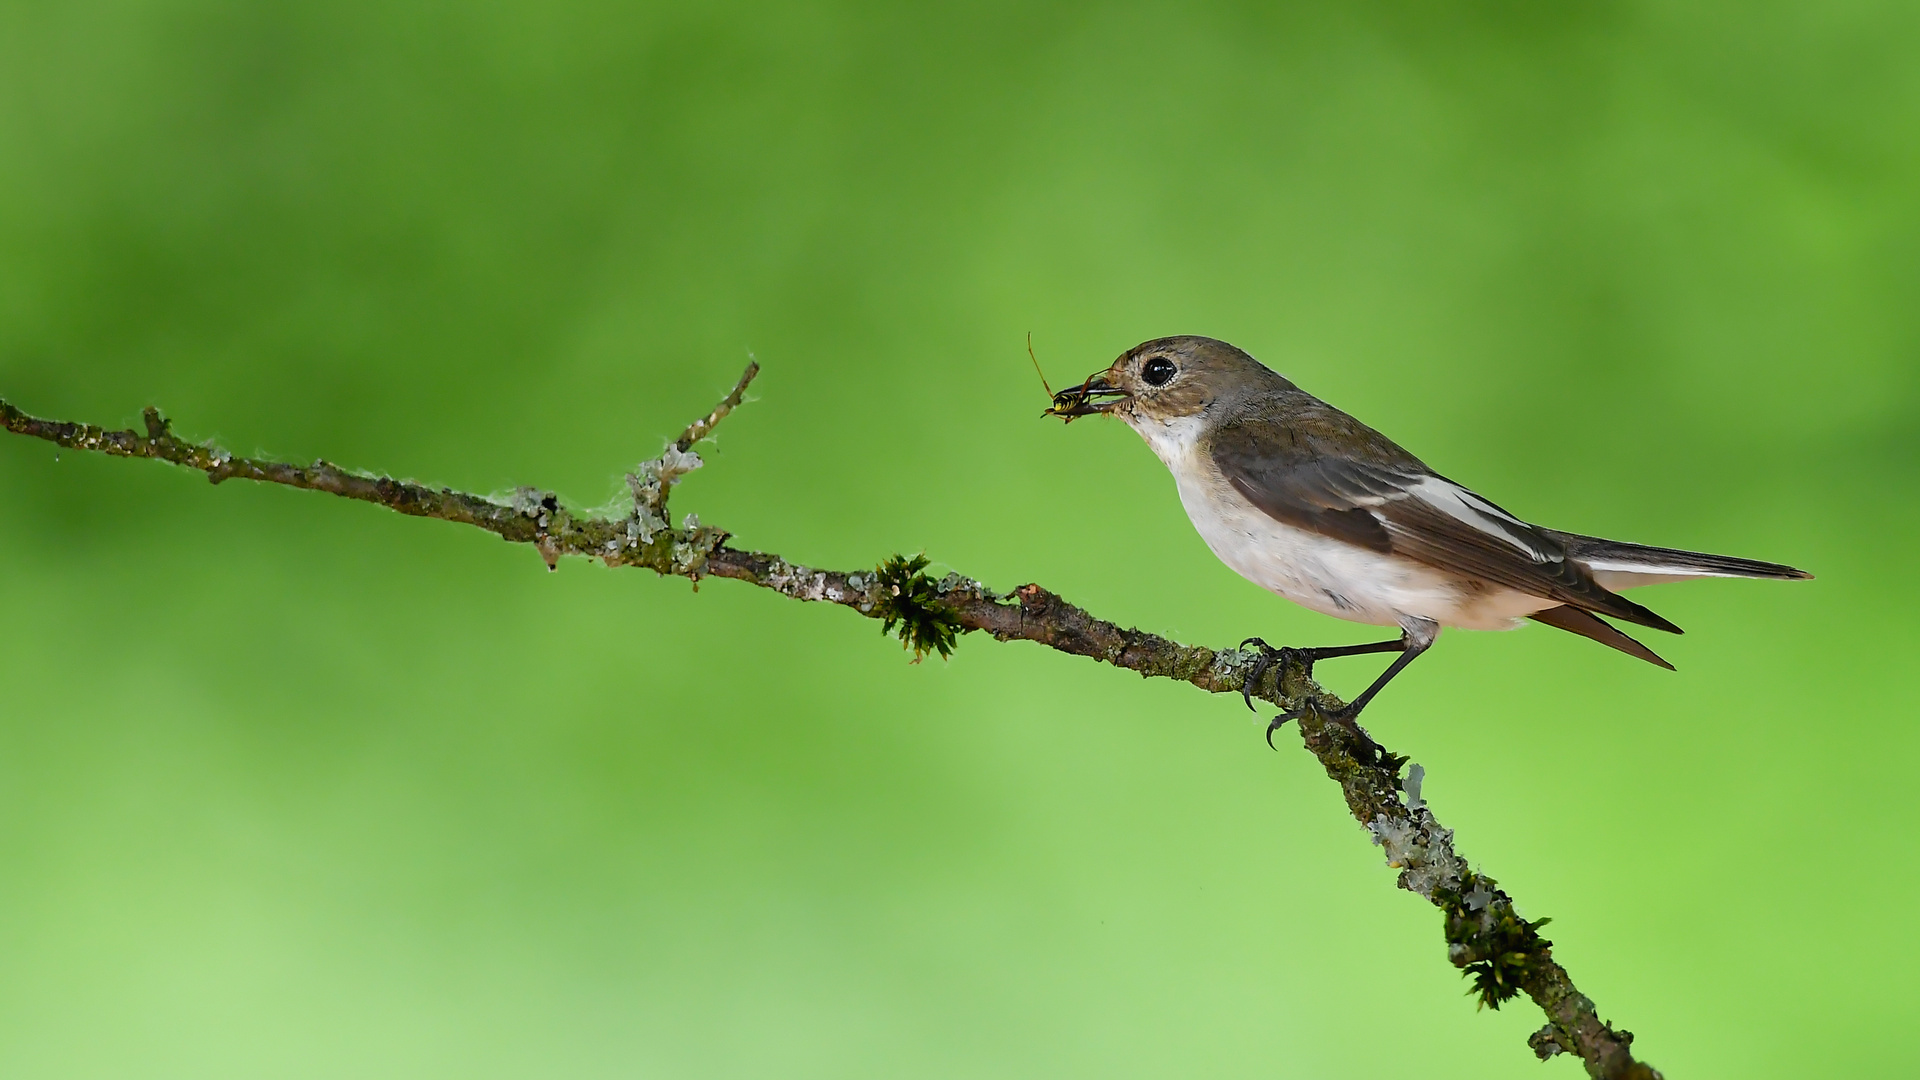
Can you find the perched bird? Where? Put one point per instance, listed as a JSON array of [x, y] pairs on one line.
[[1304, 500]]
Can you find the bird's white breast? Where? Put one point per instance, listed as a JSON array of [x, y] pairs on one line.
[[1318, 572]]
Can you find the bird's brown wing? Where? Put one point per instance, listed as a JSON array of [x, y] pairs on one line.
[[1322, 471]]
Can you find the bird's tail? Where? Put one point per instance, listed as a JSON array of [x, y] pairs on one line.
[[1589, 625], [1618, 565]]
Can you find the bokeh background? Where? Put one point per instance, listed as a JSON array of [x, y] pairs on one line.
[[296, 787]]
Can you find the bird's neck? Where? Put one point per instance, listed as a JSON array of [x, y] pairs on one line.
[[1174, 440]]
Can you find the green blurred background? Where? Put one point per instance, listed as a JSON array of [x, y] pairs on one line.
[[295, 787]]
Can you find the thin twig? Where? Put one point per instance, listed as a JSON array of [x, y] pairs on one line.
[[1503, 954], [700, 428]]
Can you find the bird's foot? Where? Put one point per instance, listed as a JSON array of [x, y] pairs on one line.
[[1268, 657], [1346, 716]]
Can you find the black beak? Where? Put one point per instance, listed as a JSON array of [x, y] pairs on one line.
[[1096, 395]]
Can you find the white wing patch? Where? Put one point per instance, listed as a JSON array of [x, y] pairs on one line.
[[1633, 566], [1619, 574], [1477, 513]]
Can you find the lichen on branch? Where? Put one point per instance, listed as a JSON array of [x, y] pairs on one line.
[[1501, 953]]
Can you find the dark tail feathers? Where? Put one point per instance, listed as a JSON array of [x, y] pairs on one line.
[[1589, 625], [1624, 556]]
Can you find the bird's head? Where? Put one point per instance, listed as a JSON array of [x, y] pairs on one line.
[[1168, 379]]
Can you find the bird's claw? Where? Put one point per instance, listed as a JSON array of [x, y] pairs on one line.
[[1268, 654], [1280, 722], [1346, 716], [1338, 716]]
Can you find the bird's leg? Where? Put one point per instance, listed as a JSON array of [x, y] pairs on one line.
[[1417, 638], [1307, 658]]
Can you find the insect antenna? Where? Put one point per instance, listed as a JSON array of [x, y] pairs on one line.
[[1036, 366]]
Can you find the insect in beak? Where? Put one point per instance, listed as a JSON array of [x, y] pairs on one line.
[[1096, 395]]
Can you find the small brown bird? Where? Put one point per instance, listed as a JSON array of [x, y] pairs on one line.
[[1304, 500]]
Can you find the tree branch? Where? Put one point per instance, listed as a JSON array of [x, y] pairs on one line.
[[1503, 954]]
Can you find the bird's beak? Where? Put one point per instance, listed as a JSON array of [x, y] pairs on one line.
[[1096, 395]]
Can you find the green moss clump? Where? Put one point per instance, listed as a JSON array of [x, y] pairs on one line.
[[911, 607], [1493, 946]]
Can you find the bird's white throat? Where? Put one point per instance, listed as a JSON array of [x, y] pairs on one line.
[[1172, 440]]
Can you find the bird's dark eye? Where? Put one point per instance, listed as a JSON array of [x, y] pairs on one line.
[[1158, 371]]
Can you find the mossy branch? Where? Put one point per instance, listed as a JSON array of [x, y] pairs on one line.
[[913, 602], [1500, 952]]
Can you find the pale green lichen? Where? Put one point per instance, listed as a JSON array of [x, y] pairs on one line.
[[643, 526], [650, 483], [1411, 786], [526, 501], [691, 546], [1421, 849], [801, 582]]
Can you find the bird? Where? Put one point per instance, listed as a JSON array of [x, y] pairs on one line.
[[1310, 503]]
